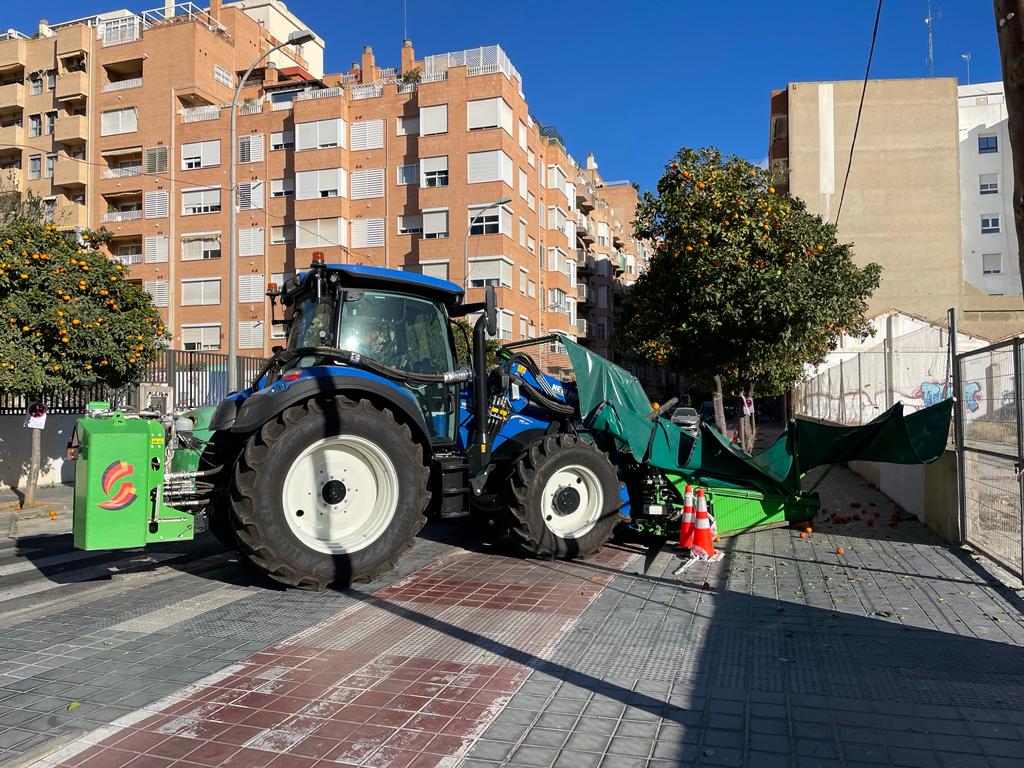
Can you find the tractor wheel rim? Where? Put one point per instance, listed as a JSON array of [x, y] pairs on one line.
[[340, 494], [572, 502]]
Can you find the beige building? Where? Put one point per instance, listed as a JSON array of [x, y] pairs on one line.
[[902, 206], [112, 123]]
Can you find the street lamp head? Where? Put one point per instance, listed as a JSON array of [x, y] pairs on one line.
[[301, 36]]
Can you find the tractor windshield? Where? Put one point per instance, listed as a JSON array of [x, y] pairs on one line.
[[311, 324], [409, 333]]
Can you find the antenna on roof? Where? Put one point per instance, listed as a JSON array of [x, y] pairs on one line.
[[405, 19], [929, 22]]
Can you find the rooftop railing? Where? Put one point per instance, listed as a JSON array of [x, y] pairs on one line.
[[483, 60], [368, 91], [322, 93]]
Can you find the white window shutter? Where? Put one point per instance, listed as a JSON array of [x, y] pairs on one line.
[[210, 153], [306, 185], [154, 205], [244, 196], [250, 334], [368, 183], [367, 134], [435, 222], [438, 270], [250, 241], [255, 195], [156, 160], [367, 233], [250, 148], [505, 115], [129, 120], [156, 249], [332, 132], [110, 123], [306, 135], [522, 136], [484, 166], [433, 119], [250, 288], [483, 113], [505, 167], [158, 290]]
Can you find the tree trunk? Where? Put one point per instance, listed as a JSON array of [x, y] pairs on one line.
[[33, 469], [716, 399], [752, 424], [1010, 31]]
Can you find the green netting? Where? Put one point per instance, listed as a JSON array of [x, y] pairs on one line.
[[614, 402]]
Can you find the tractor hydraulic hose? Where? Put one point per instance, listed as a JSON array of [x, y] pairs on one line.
[[546, 402]]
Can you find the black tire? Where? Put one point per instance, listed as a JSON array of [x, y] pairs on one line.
[[257, 510], [535, 467]]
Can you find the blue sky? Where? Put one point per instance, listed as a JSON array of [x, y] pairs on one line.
[[634, 81]]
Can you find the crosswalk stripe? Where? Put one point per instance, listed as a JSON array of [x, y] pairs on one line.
[[27, 564]]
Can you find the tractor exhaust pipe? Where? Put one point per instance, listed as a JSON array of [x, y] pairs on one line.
[[486, 324]]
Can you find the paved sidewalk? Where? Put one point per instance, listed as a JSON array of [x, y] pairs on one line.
[[898, 652]]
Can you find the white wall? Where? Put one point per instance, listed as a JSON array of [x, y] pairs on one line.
[[280, 22], [16, 450], [982, 111]]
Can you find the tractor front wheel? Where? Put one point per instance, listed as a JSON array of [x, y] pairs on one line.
[[565, 498], [329, 492]]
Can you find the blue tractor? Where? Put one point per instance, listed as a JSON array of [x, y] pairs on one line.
[[364, 424]]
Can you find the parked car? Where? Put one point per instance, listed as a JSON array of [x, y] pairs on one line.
[[687, 418]]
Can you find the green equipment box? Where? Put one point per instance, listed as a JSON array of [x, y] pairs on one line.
[[119, 485], [737, 510]]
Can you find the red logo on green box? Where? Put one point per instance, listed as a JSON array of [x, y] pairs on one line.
[[116, 472]]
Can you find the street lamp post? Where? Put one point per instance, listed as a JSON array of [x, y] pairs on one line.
[[469, 229], [295, 38]]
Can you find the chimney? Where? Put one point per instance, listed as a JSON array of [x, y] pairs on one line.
[[215, 10], [591, 163], [44, 28], [169, 9], [270, 74], [408, 57], [369, 73]]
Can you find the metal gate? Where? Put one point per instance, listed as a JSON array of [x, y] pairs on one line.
[[990, 437]]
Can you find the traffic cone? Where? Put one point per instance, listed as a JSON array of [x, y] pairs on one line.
[[686, 524], [703, 539]]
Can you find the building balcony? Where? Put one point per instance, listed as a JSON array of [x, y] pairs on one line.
[[72, 129], [582, 292], [617, 241], [112, 217], [12, 53], [72, 85], [68, 215], [585, 265], [584, 199], [581, 328], [12, 133], [122, 172], [122, 85], [73, 39], [12, 95], [70, 172]]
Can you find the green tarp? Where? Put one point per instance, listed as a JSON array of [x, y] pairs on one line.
[[613, 401]]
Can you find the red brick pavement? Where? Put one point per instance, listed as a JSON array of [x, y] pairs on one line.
[[406, 679]]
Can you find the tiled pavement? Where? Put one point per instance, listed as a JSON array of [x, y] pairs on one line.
[[899, 652]]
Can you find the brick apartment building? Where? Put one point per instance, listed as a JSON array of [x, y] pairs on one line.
[[121, 120]]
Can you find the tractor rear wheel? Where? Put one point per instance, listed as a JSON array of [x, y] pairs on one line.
[[329, 492], [565, 498]]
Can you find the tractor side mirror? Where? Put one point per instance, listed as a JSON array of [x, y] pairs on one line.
[[491, 311]]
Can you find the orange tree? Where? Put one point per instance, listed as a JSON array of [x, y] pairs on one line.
[[68, 316], [745, 286]]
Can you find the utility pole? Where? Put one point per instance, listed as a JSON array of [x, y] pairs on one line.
[[1010, 31], [967, 59]]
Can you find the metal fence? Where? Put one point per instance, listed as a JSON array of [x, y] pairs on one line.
[[991, 451], [196, 378]]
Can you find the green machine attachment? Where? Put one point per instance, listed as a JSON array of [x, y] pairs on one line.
[[120, 483]]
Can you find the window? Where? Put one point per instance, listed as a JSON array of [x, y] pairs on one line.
[[988, 144], [522, 232], [367, 233], [282, 187], [282, 234], [250, 288], [488, 113], [555, 259], [222, 76], [156, 248], [200, 154], [408, 174], [411, 224], [199, 337], [158, 290], [250, 334], [531, 201], [51, 164], [602, 233], [556, 179], [129, 253], [524, 191], [282, 140], [504, 329], [156, 160], [407, 126], [196, 201], [250, 241], [434, 120], [435, 223], [490, 166], [522, 136], [434, 171], [35, 84], [988, 183], [35, 125], [368, 184], [250, 195], [556, 218], [484, 221], [493, 270], [326, 182], [523, 279], [438, 269], [155, 204], [320, 134], [531, 289], [991, 263], [318, 233], [51, 123], [115, 121], [531, 245], [51, 79], [990, 224], [367, 134], [200, 246], [200, 292], [531, 158], [250, 148]]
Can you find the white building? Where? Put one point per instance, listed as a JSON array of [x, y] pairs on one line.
[[986, 190]]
